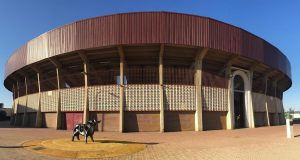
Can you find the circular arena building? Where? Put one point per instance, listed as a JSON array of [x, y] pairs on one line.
[[148, 71]]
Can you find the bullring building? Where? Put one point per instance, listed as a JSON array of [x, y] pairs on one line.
[[148, 71]]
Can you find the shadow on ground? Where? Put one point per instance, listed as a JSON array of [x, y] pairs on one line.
[[15, 146], [124, 142], [297, 135]]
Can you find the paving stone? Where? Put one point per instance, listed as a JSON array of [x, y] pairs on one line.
[[242, 144]]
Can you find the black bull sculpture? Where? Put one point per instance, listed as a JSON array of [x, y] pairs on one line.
[[86, 130]]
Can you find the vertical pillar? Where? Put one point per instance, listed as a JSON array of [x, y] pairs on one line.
[[266, 102], [26, 103], [86, 106], [198, 88], [17, 99], [251, 110], [38, 122], [12, 116], [121, 120], [229, 119], [161, 89], [276, 117], [58, 110]]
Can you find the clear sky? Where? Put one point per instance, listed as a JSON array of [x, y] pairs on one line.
[[276, 21]]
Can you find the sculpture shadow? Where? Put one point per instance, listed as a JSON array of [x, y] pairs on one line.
[[15, 146], [125, 142], [297, 136]]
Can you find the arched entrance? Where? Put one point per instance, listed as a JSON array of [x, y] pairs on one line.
[[240, 109], [239, 102]]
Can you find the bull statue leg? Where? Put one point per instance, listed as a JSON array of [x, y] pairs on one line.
[[86, 138], [76, 134], [92, 138]]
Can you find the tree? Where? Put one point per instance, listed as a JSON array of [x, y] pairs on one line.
[[288, 114]]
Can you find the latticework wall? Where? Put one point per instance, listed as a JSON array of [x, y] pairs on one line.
[[258, 100], [179, 97], [72, 99], [49, 101], [214, 99], [104, 98], [271, 104], [142, 97], [33, 102], [22, 104]]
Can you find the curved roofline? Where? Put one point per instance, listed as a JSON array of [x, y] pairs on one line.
[[210, 21], [188, 14]]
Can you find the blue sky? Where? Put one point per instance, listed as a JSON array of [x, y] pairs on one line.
[[276, 21]]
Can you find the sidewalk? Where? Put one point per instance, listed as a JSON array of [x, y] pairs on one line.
[[260, 143]]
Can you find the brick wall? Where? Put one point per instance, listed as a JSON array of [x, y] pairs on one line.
[[109, 121], [141, 121], [179, 121], [214, 120]]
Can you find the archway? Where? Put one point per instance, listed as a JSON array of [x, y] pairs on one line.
[[240, 109], [239, 102]]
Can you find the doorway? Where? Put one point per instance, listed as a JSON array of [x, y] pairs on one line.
[[239, 102], [240, 110]]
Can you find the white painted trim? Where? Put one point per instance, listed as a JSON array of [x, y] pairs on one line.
[[249, 116]]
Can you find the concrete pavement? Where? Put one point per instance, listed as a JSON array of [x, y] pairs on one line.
[[260, 143]]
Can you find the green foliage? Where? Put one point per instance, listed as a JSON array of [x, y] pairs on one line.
[[288, 115]]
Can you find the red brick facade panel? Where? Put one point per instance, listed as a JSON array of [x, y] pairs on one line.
[[109, 121], [49, 120], [31, 120], [71, 119], [214, 120], [260, 119], [179, 121], [141, 121]]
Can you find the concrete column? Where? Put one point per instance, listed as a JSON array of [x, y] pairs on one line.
[[38, 122], [198, 88], [276, 117], [122, 61], [58, 110], [86, 84], [229, 119], [17, 99], [251, 100], [26, 103], [12, 116], [86, 106], [161, 89], [266, 102]]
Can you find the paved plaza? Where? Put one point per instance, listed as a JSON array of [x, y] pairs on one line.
[[259, 143]]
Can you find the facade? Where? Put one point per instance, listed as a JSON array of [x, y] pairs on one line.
[[148, 71]]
